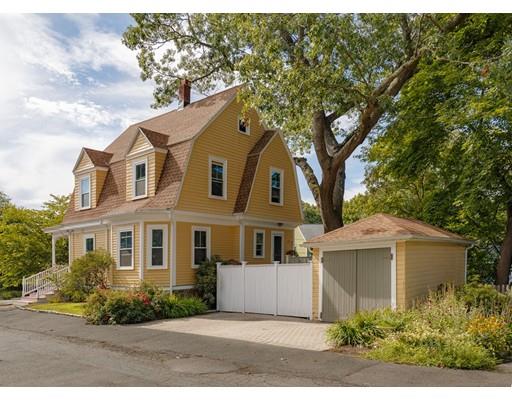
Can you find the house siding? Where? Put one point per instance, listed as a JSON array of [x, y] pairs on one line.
[[220, 139], [77, 242], [249, 243], [298, 241], [224, 241], [131, 277], [275, 155], [159, 277], [429, 264], [400, 274]]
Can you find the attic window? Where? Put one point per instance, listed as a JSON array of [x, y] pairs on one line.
[[276, 186], [85, 192], [140, 181], [243, 125]]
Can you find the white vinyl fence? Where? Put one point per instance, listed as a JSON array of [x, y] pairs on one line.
[[277, 289]]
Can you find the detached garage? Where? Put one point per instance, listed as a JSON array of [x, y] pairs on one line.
[[382, 261]]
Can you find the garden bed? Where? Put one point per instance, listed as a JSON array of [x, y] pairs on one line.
[[469, 329]]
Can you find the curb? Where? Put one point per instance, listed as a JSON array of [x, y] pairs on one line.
[[49, 312]]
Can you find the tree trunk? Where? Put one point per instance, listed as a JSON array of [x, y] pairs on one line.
[[503, 269], [331, 198]]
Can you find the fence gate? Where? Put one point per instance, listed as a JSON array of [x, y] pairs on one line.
[[276, 289]]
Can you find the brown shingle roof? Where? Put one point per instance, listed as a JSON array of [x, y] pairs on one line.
[[250, 171], [174, 131], [98, 158], [155, 138], [385, 226], [178, 125]]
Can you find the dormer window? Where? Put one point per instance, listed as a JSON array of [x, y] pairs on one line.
[[85, 192], [243, 125], [140, 181]]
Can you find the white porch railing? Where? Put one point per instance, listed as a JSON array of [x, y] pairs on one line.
[[43, 282]]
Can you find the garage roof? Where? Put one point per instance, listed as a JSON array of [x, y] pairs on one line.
[[385, 227]]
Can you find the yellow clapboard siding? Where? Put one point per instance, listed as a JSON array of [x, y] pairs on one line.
[[316, 283], [429, 264], [220, 139], [224, 243], [84, 164], [276, 156], [78, 242], [298, 241], [126, 277], [249, 243], [160, 277], [400, 275], [140, 144]]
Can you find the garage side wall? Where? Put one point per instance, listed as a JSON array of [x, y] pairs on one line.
[[316, 284], [429, 264]]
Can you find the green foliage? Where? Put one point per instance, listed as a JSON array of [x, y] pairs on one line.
[[486, 298], [444, 155], [24, 248], [88, 273], [7, 294], [311, 213], [449, 329], [364, 328], [206, 281], [146, 303]]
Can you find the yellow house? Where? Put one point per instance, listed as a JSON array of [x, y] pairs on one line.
[[169, 192], [382, 261], [302, 234]]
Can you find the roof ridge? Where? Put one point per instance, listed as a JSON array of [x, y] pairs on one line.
[[136, 124]]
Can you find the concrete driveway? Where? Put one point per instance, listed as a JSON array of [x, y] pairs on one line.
[[295, 333]]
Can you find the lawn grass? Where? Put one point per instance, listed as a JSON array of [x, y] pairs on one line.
[[68, 308]]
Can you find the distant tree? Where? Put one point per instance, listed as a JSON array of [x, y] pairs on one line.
[[4, 201], [311, 213], [24, 247]]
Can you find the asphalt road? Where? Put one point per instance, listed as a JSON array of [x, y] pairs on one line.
[[39, 349]]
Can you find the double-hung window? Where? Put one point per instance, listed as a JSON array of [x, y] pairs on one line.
[[85, 192], [140, 183], [276, 186], [126, 249], [157, 246], [200, 245], [259, 244], [217, 178], [89, 243]]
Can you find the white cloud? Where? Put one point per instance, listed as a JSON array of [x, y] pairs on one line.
[[82, 113]]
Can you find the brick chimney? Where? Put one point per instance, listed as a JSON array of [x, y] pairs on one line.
[[184, 93]]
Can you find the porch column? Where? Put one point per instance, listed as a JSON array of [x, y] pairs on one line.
[[53, 250], [242, 242]]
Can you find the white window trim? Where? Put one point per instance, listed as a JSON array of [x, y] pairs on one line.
[[208, 242], [88, 176], [119, 230], [89, 236], [272, 235], [248, 129], [224, 162], [149, 235], [256, 231], [134, 165], [281, 193]]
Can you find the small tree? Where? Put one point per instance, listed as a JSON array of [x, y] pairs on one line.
[[87, 274], [206, 281]]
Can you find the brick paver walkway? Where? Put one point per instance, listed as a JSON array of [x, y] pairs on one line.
[[280, 331]]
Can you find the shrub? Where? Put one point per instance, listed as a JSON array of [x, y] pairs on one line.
[[484, 297], [145, 303], [8, 294], [87, 273], [206, 281], [365, 327]]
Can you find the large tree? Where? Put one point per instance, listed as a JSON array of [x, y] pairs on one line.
[[446, 157], [325, 79]]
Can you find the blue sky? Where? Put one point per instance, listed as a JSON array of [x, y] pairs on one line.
[[68, 83]]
